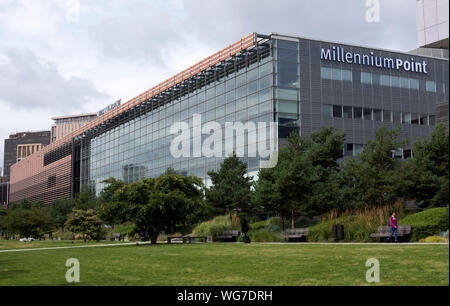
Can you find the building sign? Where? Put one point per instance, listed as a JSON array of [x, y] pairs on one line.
[[109, 108], [338, 54]]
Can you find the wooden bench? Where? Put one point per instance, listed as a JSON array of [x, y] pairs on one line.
[[228, 236], [115, 237], [385, 231], [187, 239], [296, 234]]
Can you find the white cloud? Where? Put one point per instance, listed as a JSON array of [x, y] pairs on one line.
[[27, 82], [51, 67]]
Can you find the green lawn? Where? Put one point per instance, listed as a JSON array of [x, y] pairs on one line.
[[15, 244], [231, 264]]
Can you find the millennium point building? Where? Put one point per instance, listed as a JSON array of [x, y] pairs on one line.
[[301, 84]]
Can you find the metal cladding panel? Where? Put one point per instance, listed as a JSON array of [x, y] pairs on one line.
[[35, 182]]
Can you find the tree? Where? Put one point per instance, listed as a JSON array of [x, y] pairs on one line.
[[172, 200], [305, 179], [26, 204], [373, 178], [59, 211], [231, 187], [426, 175], [156, 204], [86, 199], [86, 223], [27, 222]]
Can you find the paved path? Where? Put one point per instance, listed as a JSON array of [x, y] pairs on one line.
[[269, 243]]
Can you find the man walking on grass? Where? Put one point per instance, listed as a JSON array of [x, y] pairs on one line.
[[393, 226]]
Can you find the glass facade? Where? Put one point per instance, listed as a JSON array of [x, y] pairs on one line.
[[140, 148]]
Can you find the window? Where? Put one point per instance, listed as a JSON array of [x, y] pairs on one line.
[[395, 81], [396, 117], [423, 119], [407, 153], [367, 114], [414, 118], [348, 149], [414, 84], [406, 118], [288, 80], [366, 78], [376, 79], [431, 86], [327, 110], [265, 82], [358, 149], [337, 111], [387, 116], [346, 75], [377, 114], [287, 55], [385, 80], [404, 83], [287, 94], [432, 120], [348, 113], [357, 112], [325, 73], [286, 106], [336, 74]]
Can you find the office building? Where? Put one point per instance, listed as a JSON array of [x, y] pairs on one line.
[[301, 84]]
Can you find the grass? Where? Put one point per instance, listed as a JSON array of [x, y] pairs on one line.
[[15, 244], [231, 264]]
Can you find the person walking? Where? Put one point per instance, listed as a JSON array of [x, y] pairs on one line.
[[245, 228], [393, 226]]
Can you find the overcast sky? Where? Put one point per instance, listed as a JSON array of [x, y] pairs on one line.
[[52, 65]]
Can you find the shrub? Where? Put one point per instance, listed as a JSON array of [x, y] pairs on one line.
[[358, 225], [216, 226], [427, 223], [434, 239]]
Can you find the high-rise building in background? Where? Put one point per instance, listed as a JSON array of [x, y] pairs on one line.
[[433, 23], [21, 145], [4, 191], [65, 125], [301, 84], [433, 37]]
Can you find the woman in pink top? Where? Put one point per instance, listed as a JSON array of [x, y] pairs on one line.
[[393, 226]]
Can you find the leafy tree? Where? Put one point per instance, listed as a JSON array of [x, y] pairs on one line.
[[26, 204], [305, 179], [59, 211], [426, 175], [86, 199], [373, 178], [231, 187], [86, 223], [156, 205], [107, 195], [27, 222], [172, 199], [114, 213]]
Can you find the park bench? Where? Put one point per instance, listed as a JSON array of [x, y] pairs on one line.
[[296, 234], [115, 237], [385, 231], [186, 239], [228, 236]]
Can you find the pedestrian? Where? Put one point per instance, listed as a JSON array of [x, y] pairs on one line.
[[245, 228], [393, 226]]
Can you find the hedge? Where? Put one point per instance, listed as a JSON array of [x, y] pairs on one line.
[[427, 223]]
